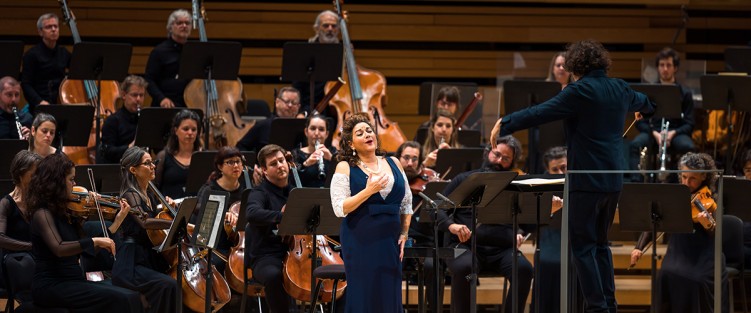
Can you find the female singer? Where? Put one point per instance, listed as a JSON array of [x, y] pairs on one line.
[[228, 169], [174, 161], [56, 245], [557, 73], [43, 134], [137, 265], [371, 193], [316, 160], [686, 277], [442, 134]]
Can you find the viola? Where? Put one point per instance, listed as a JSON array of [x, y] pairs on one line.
[[418, 183], [702, 201], [82, 205]]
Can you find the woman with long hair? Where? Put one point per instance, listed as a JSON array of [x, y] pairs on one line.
[[43, 130], [137, 265], [556, 72], [372, 194], [316, 162], [56, 246], [174, 160], [441, 135]]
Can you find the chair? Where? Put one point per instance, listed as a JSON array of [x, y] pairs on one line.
[[321, 273], [250, 282], [732, 247], [257, 109], [19, 273]]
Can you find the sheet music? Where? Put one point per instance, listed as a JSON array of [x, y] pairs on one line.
[[539, 181]]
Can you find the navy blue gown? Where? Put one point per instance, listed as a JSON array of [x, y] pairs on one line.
[[369, 237]]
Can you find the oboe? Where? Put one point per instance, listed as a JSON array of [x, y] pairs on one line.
[[321, 170], [18, 123]]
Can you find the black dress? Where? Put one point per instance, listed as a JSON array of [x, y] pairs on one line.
[[15, 235], [58, 278], [309, 175], [138, 266], [173, 176]]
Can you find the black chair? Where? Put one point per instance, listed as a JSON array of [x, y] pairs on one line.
[[257, 109], [321, 273], [250, 283], [732, 247], [19, 273]]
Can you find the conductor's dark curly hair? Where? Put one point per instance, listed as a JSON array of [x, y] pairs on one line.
[[47, 189], [346, 143], [585, 56]]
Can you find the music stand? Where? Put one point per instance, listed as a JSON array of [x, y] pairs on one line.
[[98, 61], [437, 252], [73, 123], [177, 232], [311, 62], [477, 191], [207, 231], [309, 212], [210, 60], [107, 177], [667, 97], [519, 95], [655, 207], [738, 59], [202, 164], [11, 147], [155, 126], [469, 138], [452, 162], [288, 133], [11, 52], [734, 201], [722, 92]]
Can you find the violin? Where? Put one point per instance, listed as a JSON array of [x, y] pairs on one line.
[[418, 183], [701, 201], [82, 205]]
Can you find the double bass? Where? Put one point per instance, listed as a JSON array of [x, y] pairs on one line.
[[86, 92], [366, 93], [221, 100]]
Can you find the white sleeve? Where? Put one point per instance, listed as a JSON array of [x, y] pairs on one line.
[[339, 192], [406, 206]]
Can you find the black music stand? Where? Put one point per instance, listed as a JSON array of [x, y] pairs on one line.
[[655, 208], [734, 201], [469, 138], [309, 212], [155, 125], [202, 164], [288, 133], [210, 60], [452, 162], [475, 192], [431, 191], [738, 59], [177, 232], [667, 97], [98, 61], [11, 147], [73, 123], [521, 94], [11, 52], [107, 177], [722, 92], [311, 62]]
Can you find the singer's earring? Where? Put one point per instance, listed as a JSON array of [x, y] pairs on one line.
[[353, 152]]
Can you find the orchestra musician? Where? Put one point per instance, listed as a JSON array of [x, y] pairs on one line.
[[557, 73], [119, 129], [594, 110], [137, 265], [264, 211], [10, 94], [43, 131], [495, 243], [326, 28], [686, 276], [441, 135], [447, 99], [679, 132], [44, 65], [14, 215], [286, 105], [56, 244], [165, 88], [226, 177], [316, 160], [174, 160]]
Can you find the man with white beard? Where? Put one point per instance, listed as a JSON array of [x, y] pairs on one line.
[[326, 28]]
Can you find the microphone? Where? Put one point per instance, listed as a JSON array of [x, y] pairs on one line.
[[427, 199], [444, 198]]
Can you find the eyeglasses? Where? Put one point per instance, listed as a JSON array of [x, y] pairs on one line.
[[149, 163], [233, 162], [289, 102]]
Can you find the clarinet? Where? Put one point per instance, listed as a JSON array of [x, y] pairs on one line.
[[321, 170], [663, 150], [18, 123]]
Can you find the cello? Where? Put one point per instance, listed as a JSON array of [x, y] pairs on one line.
[[221, 100], [366, 93], [86, 92]]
